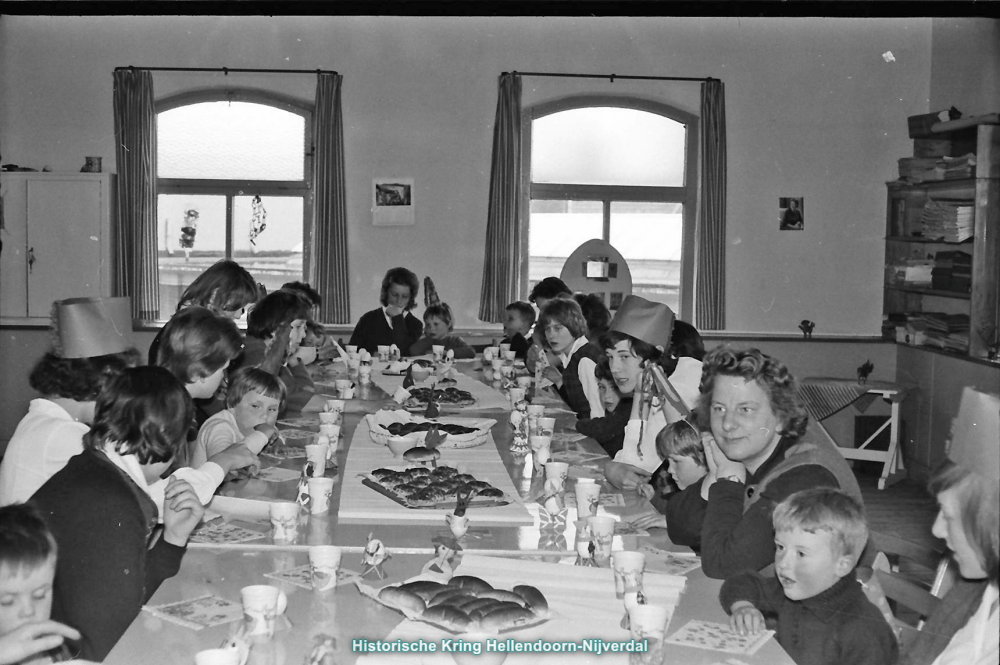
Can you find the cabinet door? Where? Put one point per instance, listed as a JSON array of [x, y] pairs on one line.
[[13, 259], [64, 230]]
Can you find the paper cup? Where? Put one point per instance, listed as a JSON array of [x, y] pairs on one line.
[[329, 417], [555, 475], [317, 454], [284, 520], [588, 496], [515, 395], [324, 560], [489, 353], [343, 385], [539, 441], [509, 355], [546, 426], [223, 656], [602, 529], [307, 354], [365, 374], [383, 353], [504, 348], [496, 364], [336, 405], [648, 621], [524, 382], [262, 603], [320, 490], [351, 348], [438, 351], [401, 395], [628, 567]]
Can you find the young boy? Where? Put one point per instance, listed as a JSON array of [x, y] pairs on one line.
[[438, 324], [253, 401], [608, 431], [823, 616], [27, 569], [520, 316]]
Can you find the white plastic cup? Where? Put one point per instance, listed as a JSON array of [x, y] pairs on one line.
[[221, 656], [524, 382], [504, 348], [320, 491], [351, 349], [496, 364], [284, 519], [329, 418], [535, 411], [336, 405], [343, 385], [628, 567], [648, 621], [383, 352], [555, 476], [588, 496], [509, 355], [546, 426], [539, 441], [516, 395], [438, 351], [602, 529], [324, 561], [317, 454], [262, 603]]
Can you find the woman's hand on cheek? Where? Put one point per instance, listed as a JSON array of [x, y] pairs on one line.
[[719, 466], [393, 311]]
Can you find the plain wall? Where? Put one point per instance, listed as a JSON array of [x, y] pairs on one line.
[[813, 111], [965, 65]]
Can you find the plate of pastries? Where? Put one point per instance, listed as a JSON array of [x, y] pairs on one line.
[[462, 432], [421, 487]]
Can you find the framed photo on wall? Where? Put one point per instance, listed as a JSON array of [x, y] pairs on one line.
[[791, 213], [392, 202]]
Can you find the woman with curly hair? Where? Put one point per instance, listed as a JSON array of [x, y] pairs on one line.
[[393, 322], [756, 457]]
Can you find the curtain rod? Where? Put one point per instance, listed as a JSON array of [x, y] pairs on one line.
[[612, 77], [227, 70]]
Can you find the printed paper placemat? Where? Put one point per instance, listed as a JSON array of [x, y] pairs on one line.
[[275, 474], [301, 576], [718, 637], [197, 613], [303, 421], [221, 533], [672, 563]]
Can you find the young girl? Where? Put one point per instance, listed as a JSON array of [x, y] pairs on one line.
[[253, 400], [102, 516], [438, 324], [565, 334], [608, 431]]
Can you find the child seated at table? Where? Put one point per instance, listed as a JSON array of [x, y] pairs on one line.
[[27, 569], [520, 316], [823, 616], [679, 446], [609, 430], [252, 404], [112, 556], [565, 334], [438, 324]]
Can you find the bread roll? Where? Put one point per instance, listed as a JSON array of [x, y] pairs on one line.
[[404, 600], [444, 595], [504, 596], [536, 601], [474, 584], [446, 616], [477, 612], [506, 618], [423, 588]]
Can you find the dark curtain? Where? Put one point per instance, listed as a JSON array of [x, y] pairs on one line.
[[710, 265]]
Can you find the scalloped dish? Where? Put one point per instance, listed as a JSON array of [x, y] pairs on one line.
[[380, 421]]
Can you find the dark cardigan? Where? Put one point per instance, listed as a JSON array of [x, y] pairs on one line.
[[373, 331]]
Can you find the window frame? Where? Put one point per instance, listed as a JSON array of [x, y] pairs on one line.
[[687, 194], [233, 188]]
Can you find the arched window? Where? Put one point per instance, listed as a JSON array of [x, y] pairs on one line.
[[618, 169], [233, 173]]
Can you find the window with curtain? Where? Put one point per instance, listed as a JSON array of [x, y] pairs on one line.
[[623, 171], [232, 176]]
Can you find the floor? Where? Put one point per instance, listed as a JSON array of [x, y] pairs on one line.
[[905, 509]]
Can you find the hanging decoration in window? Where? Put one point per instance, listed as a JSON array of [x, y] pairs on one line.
[[258, 220], [189, 227]]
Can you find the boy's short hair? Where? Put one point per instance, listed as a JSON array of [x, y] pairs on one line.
[[25, 538], [196, 343], [524, 310], [681, 438], [595, 312], [144, 411], [254, 380], [566, 312], [275, 310], [78, 379], [825, 509], [440, 311], [549, 288], [602, 371]]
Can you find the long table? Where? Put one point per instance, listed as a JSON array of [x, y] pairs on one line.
[[347, 615]]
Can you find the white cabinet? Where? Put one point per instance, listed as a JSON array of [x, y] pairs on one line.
[[56, 241]]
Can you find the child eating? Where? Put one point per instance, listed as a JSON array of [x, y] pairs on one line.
[[823, 616], [253, 401], [27, 568], [438, 324], [520, 316], [565, 334]]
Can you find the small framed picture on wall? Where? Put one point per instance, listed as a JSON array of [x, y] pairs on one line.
[[791, 213]]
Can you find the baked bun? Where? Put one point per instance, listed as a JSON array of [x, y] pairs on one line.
[[445, 595], [504, 596], [473, 584], [404, 600], [536, 601], [423, 588], [447, 616], [508, 617]]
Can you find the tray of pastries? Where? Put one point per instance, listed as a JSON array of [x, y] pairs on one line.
[[462, 432], [422, 487], [464, 604], [445, 396]]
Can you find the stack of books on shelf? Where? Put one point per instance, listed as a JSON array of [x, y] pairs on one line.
[[912, 272], [959, 167], [944, 331], [927, 169], [911, 168], [952, 271], [951, 220]]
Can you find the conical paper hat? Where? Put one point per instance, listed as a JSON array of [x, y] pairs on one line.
[[652, 322], [975, 434], [90, 327]]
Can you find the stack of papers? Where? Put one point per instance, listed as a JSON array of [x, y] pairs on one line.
[[951, 220], [958, 167]]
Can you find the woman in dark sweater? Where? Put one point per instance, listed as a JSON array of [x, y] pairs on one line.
[[393, 322]]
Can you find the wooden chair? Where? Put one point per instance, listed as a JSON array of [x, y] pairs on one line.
[[913, 578]]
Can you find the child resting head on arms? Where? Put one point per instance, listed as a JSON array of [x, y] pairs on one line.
[[27, 570], [438, 325], [252, 404], [822, 613]]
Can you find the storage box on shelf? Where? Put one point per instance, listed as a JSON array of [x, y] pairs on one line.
[[942, 250]]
